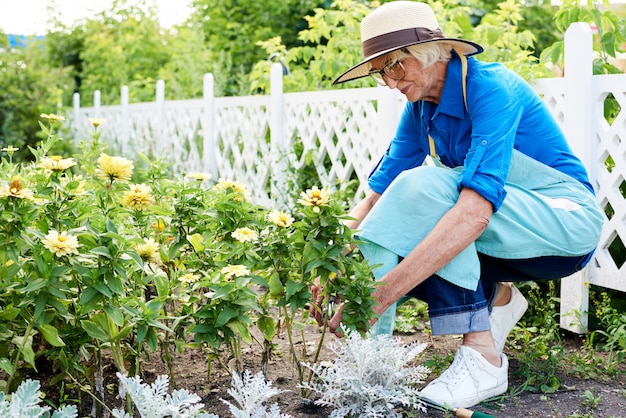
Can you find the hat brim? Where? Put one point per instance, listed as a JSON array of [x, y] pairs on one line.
[[362, 69]]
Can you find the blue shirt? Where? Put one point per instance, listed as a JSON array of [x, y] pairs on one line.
[[503, 112]]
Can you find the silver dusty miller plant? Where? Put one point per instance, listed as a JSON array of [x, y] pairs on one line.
[[251, 393], [371, 377], [153, 401], [24, 404]]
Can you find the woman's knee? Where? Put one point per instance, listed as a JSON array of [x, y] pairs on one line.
[[431, 183]]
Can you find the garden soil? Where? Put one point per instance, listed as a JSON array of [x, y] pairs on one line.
[[191, 373]]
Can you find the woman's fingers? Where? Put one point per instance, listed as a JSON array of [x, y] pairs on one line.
[[335, 321]]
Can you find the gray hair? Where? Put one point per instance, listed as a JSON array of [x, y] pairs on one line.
[[427, 53]]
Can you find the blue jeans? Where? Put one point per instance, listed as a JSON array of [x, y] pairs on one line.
[[455, 310]]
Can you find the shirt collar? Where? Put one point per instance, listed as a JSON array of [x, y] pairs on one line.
[[451, 102]]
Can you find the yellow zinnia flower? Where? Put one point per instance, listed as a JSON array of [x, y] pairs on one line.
[[10, 150], [280, 218], [52, 117], [95, 122], [245, 235], [56, 163], [233, 186], [237, 270], [149, 251], [60, 244], [138, 197], [315, 197], [199, 176], [114, 168], [189, 278], [15, 189]]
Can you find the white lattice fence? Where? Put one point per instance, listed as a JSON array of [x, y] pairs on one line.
[[578, 103], [254, 139]]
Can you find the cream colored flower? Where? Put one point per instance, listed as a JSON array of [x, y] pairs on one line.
[[114, 168], [233, 186], [245, 234], [315, 197], [149, 251], [280, 218], [56, 163], [138, 197], [189, 278], [199, 176], [10, 150], [15, 189], [52, 117], [95, 122], [61, 244], [237, 270]]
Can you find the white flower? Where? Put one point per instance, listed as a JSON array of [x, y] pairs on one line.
[[245, 235], [60, 244]]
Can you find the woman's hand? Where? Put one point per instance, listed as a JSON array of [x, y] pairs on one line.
[[317, 311]]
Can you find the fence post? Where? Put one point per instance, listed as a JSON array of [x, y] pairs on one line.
[[277, 132], [578, 120], [77, 122], [125, 134], [96, 104], [209, 130], [160, 115]]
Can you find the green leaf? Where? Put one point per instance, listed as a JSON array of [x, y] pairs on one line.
[[103, 251], [115, 284], [95, 331], [29, 355], [115, 314], [51, 334], [9, 313], [152, 340], [293, 288], [267, 326], [162, 284], [33, 286], [40, 305], [240, 328], [197, 241], [6, 365], [276, 286], [88, 294], [226, 315]]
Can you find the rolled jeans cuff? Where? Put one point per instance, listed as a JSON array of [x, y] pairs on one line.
[[474, 320]]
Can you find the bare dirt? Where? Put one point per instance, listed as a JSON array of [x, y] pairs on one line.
[[191, 373]]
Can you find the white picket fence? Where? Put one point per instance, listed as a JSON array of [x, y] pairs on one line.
[[254, 139]]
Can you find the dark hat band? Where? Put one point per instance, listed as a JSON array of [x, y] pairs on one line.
[[399, 38]]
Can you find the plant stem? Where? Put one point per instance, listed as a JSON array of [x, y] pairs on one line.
[[29, 329]]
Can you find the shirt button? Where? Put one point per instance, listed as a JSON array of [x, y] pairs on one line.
[[444, 130], [484, 142]]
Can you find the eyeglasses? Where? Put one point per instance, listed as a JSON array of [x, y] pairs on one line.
[[394, 70]]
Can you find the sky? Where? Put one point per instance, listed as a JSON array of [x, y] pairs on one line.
[[29, 17]]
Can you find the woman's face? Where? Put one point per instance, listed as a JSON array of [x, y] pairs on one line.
[[418, 83]]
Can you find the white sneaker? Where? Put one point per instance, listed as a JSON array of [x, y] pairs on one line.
[[469, 380], [504, 318]]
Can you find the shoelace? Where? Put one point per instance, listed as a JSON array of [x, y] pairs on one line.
[[457, 371]]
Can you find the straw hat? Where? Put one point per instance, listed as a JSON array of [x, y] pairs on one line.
[[396, 25]]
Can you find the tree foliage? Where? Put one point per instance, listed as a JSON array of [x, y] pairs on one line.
[[234, 27], [30, 87]]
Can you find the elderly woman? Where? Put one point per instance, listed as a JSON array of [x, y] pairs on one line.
[[504, 200]]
